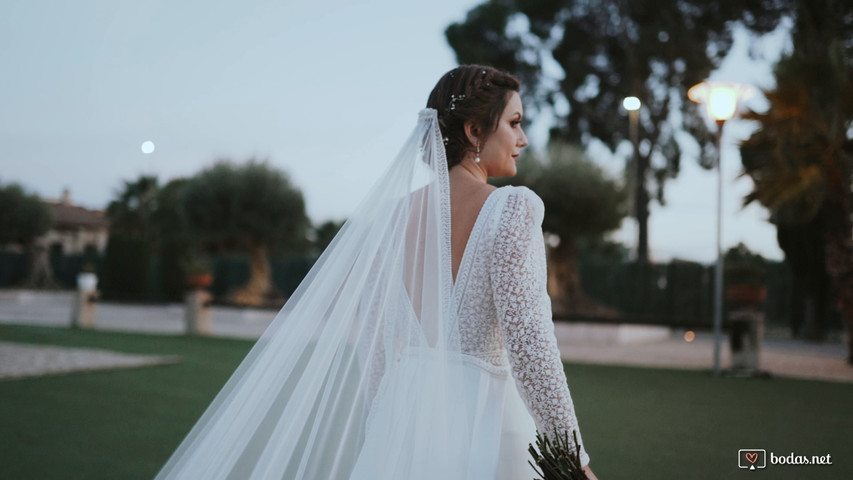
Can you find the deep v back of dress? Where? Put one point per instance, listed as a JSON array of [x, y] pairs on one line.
[[466, 210], [489, 425]]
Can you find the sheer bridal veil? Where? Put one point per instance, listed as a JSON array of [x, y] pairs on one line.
[[358, 375]]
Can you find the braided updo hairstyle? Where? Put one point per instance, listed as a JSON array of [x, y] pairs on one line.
[[474, 93]]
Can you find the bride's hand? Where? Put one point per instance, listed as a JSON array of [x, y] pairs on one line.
[[589, 474]]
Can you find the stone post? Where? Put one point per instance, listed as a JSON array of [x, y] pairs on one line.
[[197, 317], [747, 333], [83, 311]]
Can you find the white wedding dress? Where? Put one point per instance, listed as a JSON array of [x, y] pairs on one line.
[[381, 366], [509, 363]]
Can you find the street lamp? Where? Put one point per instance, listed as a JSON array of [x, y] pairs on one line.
[[720, 100], [632, 105]]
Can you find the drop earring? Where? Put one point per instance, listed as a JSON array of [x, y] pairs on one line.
[[478, 153]]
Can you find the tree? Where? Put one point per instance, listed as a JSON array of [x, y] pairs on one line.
[[801, 158], [581, 203], [251, 206], [131, 211], [132, 239], [24, 218], [324, 234], [607, 50], [175, 244]]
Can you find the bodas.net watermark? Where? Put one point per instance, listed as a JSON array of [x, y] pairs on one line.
[[757, 458]]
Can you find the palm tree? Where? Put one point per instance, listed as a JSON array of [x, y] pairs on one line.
[[801, 158]]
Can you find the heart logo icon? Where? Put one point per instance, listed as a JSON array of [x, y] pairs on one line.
[[752, 457]]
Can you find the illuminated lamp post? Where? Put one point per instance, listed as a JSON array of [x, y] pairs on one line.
[[632, 105], [721, 101]]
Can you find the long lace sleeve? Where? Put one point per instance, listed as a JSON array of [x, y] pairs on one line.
[[519, 280]]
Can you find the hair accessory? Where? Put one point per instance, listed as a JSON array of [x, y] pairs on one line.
[[446, 140], [478, 153], [454, 99]]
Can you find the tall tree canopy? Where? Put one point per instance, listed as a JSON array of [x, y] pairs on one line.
[[133, 237], [23, 216], [251, 206], [131, 211], [581, 58], [801, 158], [324, 234]]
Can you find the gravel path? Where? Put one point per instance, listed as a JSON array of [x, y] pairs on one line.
[[20, 360]]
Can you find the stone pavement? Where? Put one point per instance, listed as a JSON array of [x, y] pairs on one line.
[[18, 360], [54, 309], [585, 343], [779, 357]]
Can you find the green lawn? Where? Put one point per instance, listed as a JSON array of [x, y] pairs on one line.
[[637, 423]]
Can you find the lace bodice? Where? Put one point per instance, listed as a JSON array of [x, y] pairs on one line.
[[504, 311]]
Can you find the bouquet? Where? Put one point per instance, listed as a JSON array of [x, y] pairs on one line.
[[556, 460]]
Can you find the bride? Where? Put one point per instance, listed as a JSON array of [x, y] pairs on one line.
[[420, 345]]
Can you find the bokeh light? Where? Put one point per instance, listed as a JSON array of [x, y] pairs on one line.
[[722, 103], [720, 98], [631, 103]]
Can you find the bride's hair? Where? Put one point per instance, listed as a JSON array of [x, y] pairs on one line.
[[474, 93]]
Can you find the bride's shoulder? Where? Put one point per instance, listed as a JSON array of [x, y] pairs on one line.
[[523, 193], [522, 202]]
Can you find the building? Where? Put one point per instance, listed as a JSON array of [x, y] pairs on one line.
[[75, 229]]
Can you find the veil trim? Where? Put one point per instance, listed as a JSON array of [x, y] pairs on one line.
[[444, 209]]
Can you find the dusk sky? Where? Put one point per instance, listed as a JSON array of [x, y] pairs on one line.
[[326, 91]]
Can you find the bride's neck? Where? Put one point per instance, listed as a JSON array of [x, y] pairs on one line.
[[468, 170]]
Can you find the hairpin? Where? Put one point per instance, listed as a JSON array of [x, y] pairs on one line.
[[454, 99]]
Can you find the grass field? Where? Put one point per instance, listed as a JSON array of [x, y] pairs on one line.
[[637, 423]]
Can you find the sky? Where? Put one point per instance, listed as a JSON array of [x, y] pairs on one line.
[[326, 91]]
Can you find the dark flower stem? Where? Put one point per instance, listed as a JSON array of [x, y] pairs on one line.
[[556, 460]]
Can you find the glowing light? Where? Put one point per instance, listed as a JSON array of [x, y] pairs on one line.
[[631, 103], [148, 147], [722, 103], [689, 336], [719, 98]]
